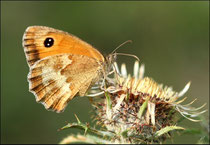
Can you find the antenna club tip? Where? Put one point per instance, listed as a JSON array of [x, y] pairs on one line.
[[130, 41]]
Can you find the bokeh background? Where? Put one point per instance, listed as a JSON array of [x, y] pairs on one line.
[[171, 38]]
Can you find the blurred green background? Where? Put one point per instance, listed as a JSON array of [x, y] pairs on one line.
[[170, 38]]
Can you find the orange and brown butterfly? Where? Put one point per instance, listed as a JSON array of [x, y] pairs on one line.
[[61, 66]]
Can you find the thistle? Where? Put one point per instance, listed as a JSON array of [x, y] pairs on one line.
[[135, 109]]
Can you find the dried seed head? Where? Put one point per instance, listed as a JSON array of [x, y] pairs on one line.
[[137, 108]]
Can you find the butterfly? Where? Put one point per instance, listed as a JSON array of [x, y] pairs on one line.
[[62, 66]]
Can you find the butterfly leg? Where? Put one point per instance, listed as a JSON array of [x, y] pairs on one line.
[[95, 94]]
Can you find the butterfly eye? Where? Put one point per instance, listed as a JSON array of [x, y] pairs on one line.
[[48, 42]]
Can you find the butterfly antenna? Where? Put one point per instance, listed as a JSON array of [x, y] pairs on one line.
[[128, 55], [128, 41]]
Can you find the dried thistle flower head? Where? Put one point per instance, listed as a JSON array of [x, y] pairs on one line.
[[139, 110], [134, 109]]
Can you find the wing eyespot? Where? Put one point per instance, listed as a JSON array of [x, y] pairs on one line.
[[48, 42]]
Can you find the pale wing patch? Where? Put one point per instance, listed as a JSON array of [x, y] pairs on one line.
[[47, 83], [55, 80]]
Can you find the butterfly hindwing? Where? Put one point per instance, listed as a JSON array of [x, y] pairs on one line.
[[55, 80]]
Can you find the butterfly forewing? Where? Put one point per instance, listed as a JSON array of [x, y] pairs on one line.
[[34, 43]]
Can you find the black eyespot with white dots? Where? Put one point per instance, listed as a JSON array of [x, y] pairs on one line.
[[48, 42]]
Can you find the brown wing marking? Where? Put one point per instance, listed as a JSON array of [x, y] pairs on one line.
[[55, 80]]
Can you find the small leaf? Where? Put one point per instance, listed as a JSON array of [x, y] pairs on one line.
[[143, 107], [167, 129], [108, 99], [108, 106], [87, 129]]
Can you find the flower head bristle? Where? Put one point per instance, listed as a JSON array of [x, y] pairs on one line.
[[140, 108]]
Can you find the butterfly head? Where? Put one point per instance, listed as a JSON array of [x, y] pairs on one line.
[[111, 58], [109, 61]]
